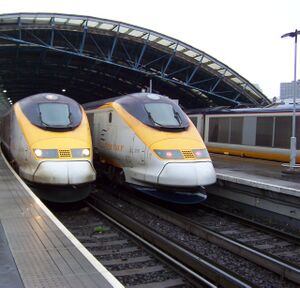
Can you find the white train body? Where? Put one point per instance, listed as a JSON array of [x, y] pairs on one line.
[[45, 153], [130, 148], [252, 132]]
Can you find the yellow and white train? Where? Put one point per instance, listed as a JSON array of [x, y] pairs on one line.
[[47, 139], [148, 142]]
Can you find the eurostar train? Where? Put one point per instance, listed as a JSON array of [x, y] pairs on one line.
[[146, 141], [262, 133], [47, 139]]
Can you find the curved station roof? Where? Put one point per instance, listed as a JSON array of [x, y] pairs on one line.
[[89, 59]]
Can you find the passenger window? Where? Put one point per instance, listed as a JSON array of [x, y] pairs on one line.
[[236, 131], [219, 130], [194, 120], [110, 117], [264, 131], [283, 131], [213, 130]]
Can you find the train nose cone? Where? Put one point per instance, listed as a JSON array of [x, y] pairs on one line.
[[187, 174], [64, 172]]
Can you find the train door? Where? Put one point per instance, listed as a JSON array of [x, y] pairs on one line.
[[138, 151]]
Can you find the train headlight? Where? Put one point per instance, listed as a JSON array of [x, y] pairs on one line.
[[78, 153], [200, 153], [38, 152], [46, 153], [169, 154]]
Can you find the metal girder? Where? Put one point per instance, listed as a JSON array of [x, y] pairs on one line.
[[129, 50]]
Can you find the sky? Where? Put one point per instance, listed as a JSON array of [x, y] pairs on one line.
[[243, 34]]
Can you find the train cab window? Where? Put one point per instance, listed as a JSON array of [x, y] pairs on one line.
[[54, 114], [264, 131], [163, 114], [155, 111], [109, 117]]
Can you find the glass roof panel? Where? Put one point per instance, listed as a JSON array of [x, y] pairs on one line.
[[164, 42], [9, 20], [225, 72], [92, 24], [215, 66], [151, 37], [27, 19], [106, 26], [236, 80], [60, 20], [250, 89], [136, 33], [122, 29], [228, 74], [43, 20], [205, 60], [198, 58], [180, 48], [76, 22], [190, 53]]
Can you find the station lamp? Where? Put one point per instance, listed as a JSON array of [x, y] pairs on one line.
[[293, 152]]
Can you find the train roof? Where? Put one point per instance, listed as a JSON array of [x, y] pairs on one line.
[[142, 96], [46, 97], [272, 108]]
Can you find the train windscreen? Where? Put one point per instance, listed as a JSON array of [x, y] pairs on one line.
[[55, 114], [52, 112], [156, 111], [163, 114]]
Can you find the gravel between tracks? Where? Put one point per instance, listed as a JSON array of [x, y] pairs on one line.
[[250, 271]]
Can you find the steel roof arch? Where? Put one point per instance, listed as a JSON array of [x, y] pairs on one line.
[[119, 46]]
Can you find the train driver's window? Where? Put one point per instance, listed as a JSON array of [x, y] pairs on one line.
[[110, 117]]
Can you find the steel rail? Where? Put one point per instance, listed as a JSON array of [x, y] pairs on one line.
[[191, 263], [259, 226], [272, 263]]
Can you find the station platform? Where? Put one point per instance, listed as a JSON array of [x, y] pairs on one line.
[[258, 183], [36, 250]]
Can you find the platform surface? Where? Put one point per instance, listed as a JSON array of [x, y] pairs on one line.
[[35, 251], [255, 172]]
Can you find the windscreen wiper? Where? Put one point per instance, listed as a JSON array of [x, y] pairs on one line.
[[151, 118], [177, 117]]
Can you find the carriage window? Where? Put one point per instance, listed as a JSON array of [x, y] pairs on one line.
[[223, 130], [194, 120], [54, 114], [236, 131], [283, 131], [218, 130], [213, 130], [264, 131]]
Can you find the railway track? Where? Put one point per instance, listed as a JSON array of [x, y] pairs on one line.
[[252, 264], [135, 262]]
